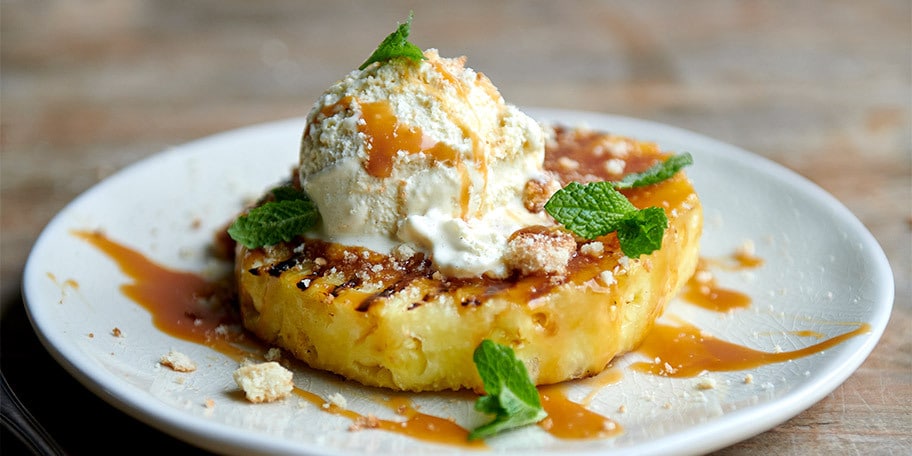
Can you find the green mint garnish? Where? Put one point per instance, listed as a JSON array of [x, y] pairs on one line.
[[396, 45], [511, 395], [598, 208], [291, 213], [590, 210], [288, 193], [656, 173], [641, 232]]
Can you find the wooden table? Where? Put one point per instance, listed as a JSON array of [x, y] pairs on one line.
[[822, 87]]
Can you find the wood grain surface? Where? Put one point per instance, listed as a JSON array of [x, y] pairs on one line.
[[822, 87]]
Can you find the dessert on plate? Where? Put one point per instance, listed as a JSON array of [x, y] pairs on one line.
[[426, 215]]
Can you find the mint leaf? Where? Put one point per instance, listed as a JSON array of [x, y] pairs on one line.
[[396, 45], [598, 208], [641, 232], [511, 395], [288, 193], [274, 222], [590, 210], [656, 173]]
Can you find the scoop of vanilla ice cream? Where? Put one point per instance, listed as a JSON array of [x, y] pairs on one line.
[[424, 153]]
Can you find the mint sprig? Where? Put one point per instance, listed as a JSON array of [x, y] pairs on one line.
[[656, 173], [598, 208], [396, 44], [641, 232], [511, 396], [289, 214]]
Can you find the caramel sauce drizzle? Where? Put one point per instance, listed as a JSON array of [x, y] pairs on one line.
[[426, 427], [182, 304], [176, 300], [415, 424], [685, 351], [703, 290], [386, 136], [570, 420], [609, 376]]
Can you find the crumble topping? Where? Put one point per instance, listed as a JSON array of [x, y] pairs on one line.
[[595, 249], [178, 361], [264, 382], [540, 252], [537, 192]]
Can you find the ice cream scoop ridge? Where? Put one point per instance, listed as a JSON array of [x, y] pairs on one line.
[[425, 154]]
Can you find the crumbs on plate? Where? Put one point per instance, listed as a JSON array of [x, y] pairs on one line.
[[178, 361]]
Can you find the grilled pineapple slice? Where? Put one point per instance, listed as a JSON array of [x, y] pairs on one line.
[[393, 321]]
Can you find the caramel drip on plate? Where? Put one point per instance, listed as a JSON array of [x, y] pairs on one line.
[[570, 420], [417, 425], [703, 290], [609, 376], [808, 333], [182, 304], [685, 351], [176, 300], [426, 427]]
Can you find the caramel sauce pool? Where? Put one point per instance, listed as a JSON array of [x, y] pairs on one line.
[[684, 351], [570, 420], [176, 300], [703, 290]]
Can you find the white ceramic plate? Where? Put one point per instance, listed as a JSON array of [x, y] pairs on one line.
[[821, 267]]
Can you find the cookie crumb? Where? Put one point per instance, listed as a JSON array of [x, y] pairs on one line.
[[706, 384], [365, 422], [274, 354], [540, 252], [178, 361], [264, 382], [338, 400]]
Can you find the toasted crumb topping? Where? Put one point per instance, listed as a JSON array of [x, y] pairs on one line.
[[274, 354], [264, 382], [615, 166], [706, 384], [537, 192], [178, 362], [365, 422], [594, 249], [338, 400], [533, 252]]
